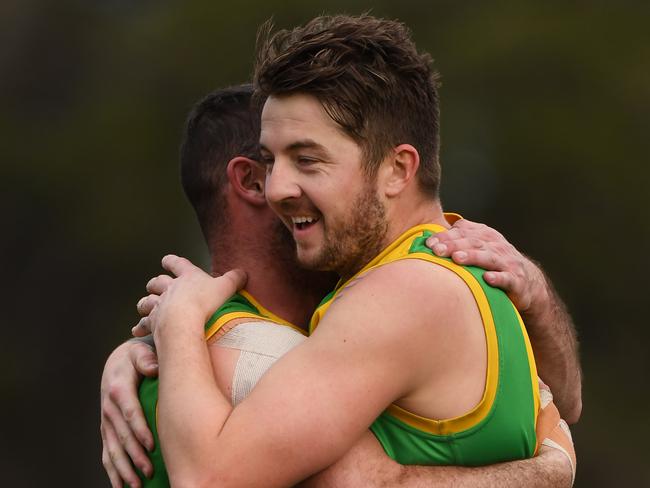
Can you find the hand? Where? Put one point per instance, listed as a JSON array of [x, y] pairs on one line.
[[471, 243], [125, 434], [191, 292]]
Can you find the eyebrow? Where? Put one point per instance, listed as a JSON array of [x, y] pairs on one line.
[[305, 144], [301, 144]]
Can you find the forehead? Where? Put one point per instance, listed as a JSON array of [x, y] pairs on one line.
[[290, 118]]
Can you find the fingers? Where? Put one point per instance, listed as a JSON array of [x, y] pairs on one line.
[[467, 227], [144, 359], [142, 328], [503, 279], [147, 304], [224, 286], [237, 280], [109, 467], [159, 284], [451, 242], [115, 439], [464, 235], [118, 415], [177, 265], [483, 258]]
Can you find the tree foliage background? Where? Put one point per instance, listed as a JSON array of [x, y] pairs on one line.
[[545, 132]]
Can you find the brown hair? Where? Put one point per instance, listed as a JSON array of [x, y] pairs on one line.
[[221, 126], [370, 79]]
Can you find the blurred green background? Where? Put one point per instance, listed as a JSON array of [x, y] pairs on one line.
[[545, 111]]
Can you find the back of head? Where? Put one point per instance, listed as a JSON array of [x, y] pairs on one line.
[[220, 127], [370, 79]]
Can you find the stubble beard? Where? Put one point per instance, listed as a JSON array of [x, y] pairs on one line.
[[352, 242], [310, 281]]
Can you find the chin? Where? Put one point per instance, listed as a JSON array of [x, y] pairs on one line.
[[312, 262], [307, 262]]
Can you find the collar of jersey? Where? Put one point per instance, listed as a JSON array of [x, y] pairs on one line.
[[418, 229]]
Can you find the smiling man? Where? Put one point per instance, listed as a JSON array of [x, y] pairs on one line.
[[350, 137], [350, 132]]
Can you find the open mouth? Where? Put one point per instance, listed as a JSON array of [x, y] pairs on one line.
[[302, 223]]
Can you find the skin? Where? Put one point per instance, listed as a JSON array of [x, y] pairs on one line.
[[269, 261], [124, 429], [366, 464], [547, 320], [332, 241], [183, 353]]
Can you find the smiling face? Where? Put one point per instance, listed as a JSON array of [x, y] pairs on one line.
[[316, 184]]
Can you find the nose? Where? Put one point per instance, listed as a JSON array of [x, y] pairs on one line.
[[281, 182]]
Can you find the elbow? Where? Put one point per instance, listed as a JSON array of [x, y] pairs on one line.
[[570, 403], [573, 414]]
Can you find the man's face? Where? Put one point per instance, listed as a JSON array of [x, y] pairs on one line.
[[316, 185]]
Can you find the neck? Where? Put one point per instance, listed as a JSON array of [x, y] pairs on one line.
[[400, 217], [417, 212], [274, 279]]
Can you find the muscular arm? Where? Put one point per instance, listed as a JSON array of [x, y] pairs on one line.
[[367, 466], [280, 422], [553, 337], [549, 325], [306, 408], [420, 474], [550, 469]]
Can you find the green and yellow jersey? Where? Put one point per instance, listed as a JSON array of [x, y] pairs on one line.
[[502, 426], [240, 306]]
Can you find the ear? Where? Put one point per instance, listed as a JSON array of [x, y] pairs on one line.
[[246, 177], [400, 170]]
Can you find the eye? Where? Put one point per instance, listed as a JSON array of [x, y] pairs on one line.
[[306, 160]]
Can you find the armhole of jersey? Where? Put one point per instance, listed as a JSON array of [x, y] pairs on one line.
[[534, 380], [482, 409], [404, 250]]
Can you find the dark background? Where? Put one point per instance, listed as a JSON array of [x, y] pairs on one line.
[[545, 136]]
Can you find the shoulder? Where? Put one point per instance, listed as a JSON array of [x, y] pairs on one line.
[[409, 295], [412, 284]]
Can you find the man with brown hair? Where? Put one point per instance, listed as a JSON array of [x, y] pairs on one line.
[[217, 166], [429, 359]]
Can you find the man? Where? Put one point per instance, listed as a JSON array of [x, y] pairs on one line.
[[222, 129], [286, 118]]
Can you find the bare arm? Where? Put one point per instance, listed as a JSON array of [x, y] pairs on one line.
[[553, 337], [364, 465], [367, 466], [293, 404], [549, 325]]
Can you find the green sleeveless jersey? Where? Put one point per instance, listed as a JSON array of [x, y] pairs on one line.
[[241, 305], [502, 426]]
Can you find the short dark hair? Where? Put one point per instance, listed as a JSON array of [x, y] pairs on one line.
[[221, 126], [370, 79]]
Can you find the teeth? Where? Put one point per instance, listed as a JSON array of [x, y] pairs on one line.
[[302, 220]]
